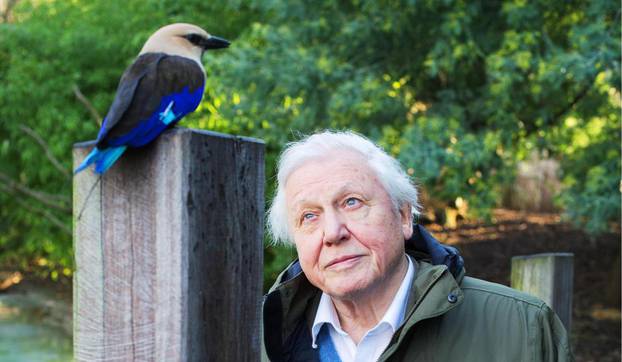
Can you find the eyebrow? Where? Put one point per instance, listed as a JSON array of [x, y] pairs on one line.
[[298, 205], [347, 188], [344, 189]]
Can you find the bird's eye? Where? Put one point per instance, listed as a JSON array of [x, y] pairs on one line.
[[195, 39]]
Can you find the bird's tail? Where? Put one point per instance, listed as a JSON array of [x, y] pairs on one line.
[[103, 159]]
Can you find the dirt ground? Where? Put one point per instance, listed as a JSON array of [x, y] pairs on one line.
[[488, 250]]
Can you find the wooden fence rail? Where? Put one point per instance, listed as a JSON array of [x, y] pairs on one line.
[[168, 251]]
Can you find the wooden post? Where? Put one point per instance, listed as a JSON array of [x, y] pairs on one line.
[[549, 277], [169, 252]]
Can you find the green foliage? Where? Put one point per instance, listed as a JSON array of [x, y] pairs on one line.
[[50, 50], [454, 164], [459, 91], [591, 159]]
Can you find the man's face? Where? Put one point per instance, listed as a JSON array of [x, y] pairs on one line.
[[348, 235]]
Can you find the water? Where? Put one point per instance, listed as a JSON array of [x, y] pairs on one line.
[[26, 333]]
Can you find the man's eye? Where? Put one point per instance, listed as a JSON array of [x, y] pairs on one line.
[[307, 216], [351, 201]]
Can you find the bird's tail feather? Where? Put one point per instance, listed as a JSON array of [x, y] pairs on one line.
[[103, 159], [110, 155], [88, 160]]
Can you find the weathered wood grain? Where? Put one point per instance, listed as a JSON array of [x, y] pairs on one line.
[[88, 295], [169, 252], [549, 277]]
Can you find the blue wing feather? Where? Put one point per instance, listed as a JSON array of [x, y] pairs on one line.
[[147, 130]]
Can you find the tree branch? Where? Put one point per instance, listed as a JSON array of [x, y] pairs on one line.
[[29, 131], [89, 106], [6, 14], [57, 202], [582, 93], [45, 213]]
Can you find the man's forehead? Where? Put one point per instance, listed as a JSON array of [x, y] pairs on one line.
[[333, 190], [329, 174], [331, 162]]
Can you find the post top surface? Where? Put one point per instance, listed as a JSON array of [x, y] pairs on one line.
[[181, 130], [543, 255]]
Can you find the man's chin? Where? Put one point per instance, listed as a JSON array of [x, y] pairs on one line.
[[347, 289]]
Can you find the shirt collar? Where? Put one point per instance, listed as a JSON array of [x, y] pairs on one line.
[[394, 316]]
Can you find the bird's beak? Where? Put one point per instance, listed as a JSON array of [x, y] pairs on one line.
[[215, 42]]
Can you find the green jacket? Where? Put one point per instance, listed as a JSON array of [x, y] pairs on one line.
[[449, 318]]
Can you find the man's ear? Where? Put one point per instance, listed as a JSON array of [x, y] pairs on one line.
[[406, 218]]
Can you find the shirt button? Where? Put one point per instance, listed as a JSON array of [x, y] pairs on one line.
[[451, 298]]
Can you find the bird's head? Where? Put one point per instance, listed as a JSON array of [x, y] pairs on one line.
[[183, 39]]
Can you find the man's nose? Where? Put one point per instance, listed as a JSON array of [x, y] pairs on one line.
[[335, 228]]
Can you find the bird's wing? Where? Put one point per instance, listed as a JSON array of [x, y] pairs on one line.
[[143, 86], [127, 87]]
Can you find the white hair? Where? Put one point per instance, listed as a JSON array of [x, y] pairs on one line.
[[388, 170]]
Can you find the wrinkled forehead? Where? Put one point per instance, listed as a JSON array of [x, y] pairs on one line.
[[326, 162], [329, 176]]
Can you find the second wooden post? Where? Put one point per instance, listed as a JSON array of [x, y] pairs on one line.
[[549, 277]]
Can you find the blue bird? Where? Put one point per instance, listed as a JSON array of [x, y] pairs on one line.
[[160, 87]]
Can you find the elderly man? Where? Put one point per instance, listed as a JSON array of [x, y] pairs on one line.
[[371, 286]]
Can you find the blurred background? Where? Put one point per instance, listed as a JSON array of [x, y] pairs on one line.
[[505, 113]]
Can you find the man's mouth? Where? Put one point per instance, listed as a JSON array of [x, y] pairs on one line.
[[343, 260]]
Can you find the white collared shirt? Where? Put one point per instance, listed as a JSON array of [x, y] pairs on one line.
[[376, 339]]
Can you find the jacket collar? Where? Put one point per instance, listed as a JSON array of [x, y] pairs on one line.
[[424, 246], [434, 292]]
